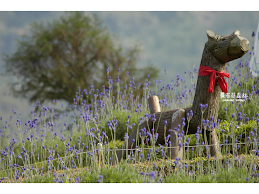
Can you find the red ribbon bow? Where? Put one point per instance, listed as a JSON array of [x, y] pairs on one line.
[[204, 70]]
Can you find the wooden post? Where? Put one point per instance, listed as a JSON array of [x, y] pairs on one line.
[[99, 146], [154, 106]]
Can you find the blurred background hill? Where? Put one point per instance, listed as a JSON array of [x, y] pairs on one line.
[[170, 40]]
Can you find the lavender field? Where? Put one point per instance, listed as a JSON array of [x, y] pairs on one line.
[[80, 145]]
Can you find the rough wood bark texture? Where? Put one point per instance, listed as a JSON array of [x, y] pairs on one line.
[[217, 52]]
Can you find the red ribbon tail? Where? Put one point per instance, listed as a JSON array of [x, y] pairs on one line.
[[212, 82], [223, 84]]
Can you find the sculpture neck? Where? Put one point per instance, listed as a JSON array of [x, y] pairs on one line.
[[202, 96], [209, 60]]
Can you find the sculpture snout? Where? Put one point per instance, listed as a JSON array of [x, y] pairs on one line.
[[238, 46]]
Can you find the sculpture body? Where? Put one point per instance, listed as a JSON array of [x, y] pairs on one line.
[[218, 50]]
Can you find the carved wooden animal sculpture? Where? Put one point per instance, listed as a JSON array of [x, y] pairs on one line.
[[218, 50]]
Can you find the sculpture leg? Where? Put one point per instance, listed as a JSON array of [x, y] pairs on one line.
[[177, 119], [131, 143], [213, 140]]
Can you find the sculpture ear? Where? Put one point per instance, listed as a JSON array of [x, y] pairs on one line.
[[236, 33], [211, 35]]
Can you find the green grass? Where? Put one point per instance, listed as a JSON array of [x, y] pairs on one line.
[[74, 154], [234, 172]]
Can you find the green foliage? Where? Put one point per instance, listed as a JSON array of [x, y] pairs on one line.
[[122, 127], [74, 51], [116, 144], [125, 173], [238, 131], [249, 108], [234, 175], [246, 84]]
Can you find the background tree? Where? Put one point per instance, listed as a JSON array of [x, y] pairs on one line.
[[74, 51]]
